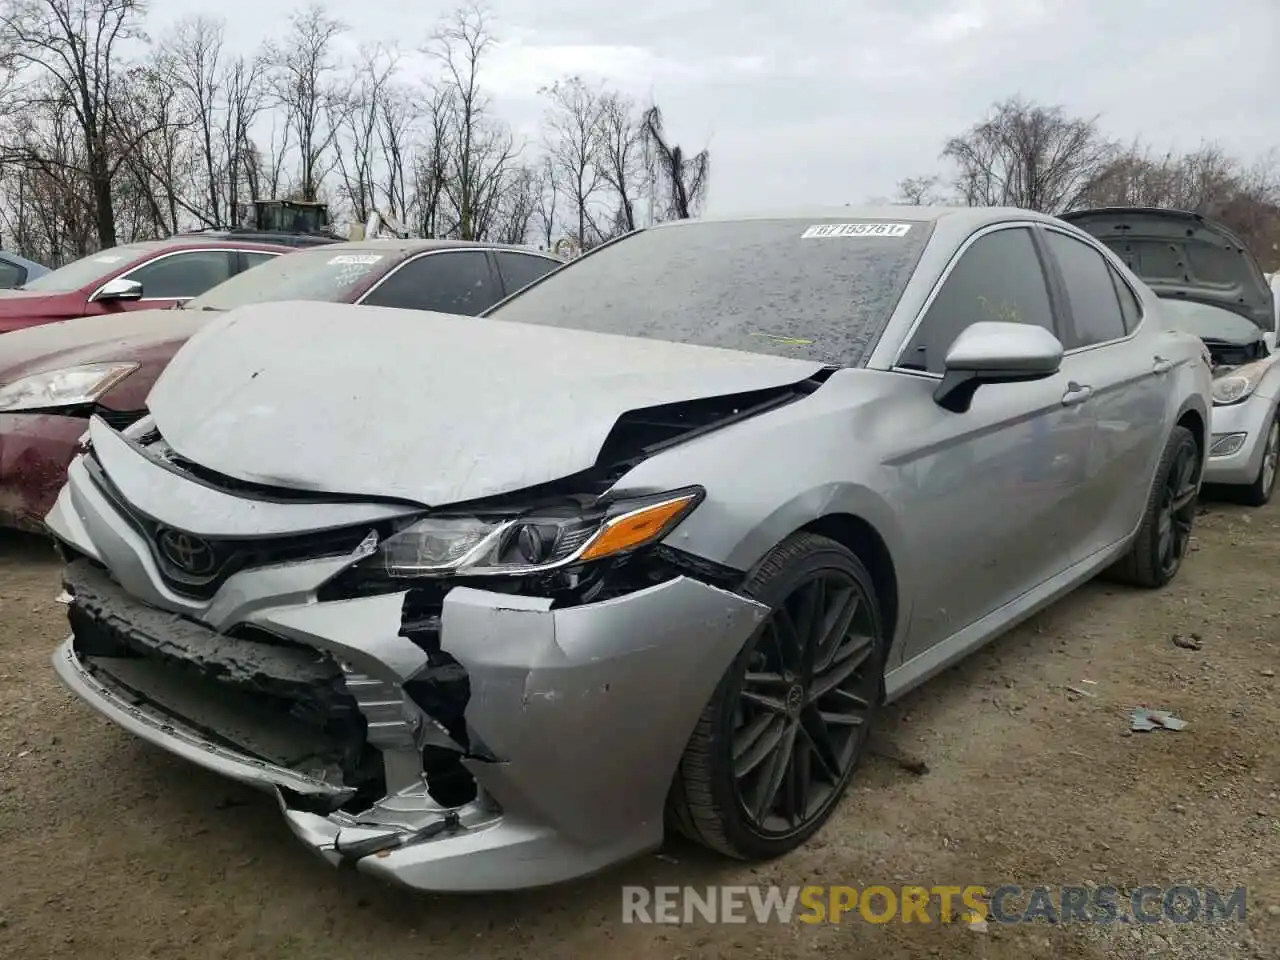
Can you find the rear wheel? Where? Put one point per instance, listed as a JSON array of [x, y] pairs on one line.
[[1165, 534], [1258, 493], [774, 750]]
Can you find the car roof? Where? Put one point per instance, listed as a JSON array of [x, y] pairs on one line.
[[970, 218], [419, 244], [146, 247]]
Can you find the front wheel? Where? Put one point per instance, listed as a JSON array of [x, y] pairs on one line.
[[774, 750], [1165, 533]]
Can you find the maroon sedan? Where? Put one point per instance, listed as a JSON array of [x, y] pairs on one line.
[[53, 377], [136, 276]]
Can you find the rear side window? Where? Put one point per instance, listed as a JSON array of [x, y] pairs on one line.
[[1130, 308], [998, 278], [1091, 293], [453, 282], [254, 258], [521, 269]]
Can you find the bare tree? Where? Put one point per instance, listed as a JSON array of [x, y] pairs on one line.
[[518, 204], [923, 191], [432, 165], [307, 87], [1137, 176], [682, 180], [395, 112], [244, 98], [544, 211], [162, 164], [572, 129], [358, 147], [621, 160], [193, 53], [1029, 156], [479, 147], [68, 52]]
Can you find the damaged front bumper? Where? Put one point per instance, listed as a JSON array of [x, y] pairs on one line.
[[574, 722], [35, 449]]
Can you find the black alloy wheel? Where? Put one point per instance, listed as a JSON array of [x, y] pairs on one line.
[[1163, 539], [804, 703], [775, 749], [1177, 510]]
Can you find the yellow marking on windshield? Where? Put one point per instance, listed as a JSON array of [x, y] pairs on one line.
[[792, 341]]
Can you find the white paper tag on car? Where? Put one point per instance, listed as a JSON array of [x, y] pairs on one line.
[[357, 258], [824, 230]]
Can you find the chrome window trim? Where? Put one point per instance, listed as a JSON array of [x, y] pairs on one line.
[[960, 251], [175, 253], [413, 259], [1110, 259]]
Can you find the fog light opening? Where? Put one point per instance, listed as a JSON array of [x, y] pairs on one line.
[[1226, 444]]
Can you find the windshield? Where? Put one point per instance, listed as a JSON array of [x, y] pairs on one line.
[[814, 290], [86, 271], [324, 273]]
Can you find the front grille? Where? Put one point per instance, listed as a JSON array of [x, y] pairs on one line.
[[213, 559]]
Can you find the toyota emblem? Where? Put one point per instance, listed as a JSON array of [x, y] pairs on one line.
[[189, 554]]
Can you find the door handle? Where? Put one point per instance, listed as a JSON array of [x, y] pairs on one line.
[[1076, 394], [1161, 366]]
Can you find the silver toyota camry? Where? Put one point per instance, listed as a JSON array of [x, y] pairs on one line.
[[1214, 288], [491, 603]]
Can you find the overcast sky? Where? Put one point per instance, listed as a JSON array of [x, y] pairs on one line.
[[828, 102]]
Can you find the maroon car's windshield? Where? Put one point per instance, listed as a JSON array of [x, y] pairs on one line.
[[324, 273], [87, 270]]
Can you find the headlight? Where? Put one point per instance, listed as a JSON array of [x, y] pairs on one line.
[[68, 387], [534, 542], [1238, 384]]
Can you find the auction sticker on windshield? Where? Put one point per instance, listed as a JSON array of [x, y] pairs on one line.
[[823, 230], [357, 258]]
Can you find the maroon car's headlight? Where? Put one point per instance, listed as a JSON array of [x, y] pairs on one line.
[[64, 387]]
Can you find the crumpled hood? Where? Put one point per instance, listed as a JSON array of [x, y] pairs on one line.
[[115, 336], [426, 407]]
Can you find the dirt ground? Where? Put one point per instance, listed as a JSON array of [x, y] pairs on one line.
[[115, 850]]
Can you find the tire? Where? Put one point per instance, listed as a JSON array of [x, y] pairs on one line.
[[1258, 493], [1148, 564], [711, 794]]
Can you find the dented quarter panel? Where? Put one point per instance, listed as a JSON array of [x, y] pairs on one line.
[[266, 393], [590, 707]]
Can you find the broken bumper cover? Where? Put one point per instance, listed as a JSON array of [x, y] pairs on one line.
[[576, 718], [35, 449]]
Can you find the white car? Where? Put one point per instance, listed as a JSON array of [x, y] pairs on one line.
[[1212, 287]]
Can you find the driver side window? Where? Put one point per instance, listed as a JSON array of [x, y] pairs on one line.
[[180, 276], [999, 277]]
